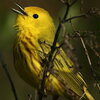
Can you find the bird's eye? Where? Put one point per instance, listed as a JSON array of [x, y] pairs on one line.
[[35, 16]]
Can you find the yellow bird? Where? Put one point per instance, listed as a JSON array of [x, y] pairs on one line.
[[36, 31]]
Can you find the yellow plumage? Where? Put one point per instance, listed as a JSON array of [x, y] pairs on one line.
[[35, 27]]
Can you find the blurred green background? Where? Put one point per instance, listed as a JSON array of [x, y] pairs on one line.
[[8, 33]]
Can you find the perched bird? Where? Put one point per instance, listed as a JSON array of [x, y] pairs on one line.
[[36, 32]]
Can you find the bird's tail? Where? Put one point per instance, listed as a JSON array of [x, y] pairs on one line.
[[88, 95]]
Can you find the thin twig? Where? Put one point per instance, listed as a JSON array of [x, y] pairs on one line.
[[88, 57], [4, 66], [87, 54], [48, 63], [82, 96], [53, 47], [74, 17], [86, 51]]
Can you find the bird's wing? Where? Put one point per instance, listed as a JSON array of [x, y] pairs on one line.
[[63, 69]]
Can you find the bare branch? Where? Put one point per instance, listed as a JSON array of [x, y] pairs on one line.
[[87, 55], [75, 17], [49, 60], [4, 66], [48, 63]]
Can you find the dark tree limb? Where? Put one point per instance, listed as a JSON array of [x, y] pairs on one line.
[[49, 61], [48, 64]]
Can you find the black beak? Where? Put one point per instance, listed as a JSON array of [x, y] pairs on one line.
[[20, 11]]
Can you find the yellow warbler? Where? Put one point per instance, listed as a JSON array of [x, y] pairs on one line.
[[34, 24]]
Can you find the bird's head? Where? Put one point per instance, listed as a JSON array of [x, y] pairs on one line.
[[34, 19]]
